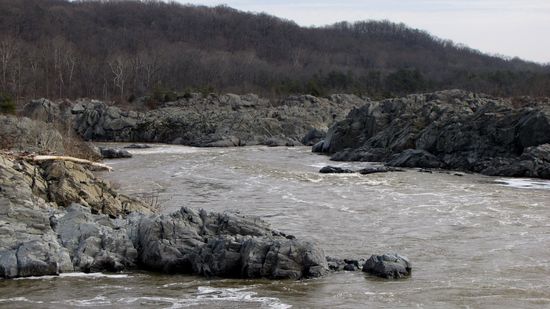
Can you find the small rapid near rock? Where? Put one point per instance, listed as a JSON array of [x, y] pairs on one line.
[[475, 241]]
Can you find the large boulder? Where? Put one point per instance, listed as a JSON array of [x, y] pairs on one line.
[[225, 245], [389, 265]]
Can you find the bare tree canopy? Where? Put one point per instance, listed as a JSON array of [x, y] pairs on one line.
[[124, 49]]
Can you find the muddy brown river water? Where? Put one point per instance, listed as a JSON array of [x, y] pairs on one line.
[[474, 241]]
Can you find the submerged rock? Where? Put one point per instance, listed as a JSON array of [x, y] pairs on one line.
[[137, 146], [389, 265], [364, 171], [113, 153], [334, 170], [378, 169]]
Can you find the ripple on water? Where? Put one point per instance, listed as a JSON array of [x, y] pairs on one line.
[[210, 297], [524, 183]]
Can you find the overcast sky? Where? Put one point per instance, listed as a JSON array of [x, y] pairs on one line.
[[506, 27]]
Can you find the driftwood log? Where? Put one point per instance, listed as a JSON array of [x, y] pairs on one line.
[[39, 158]]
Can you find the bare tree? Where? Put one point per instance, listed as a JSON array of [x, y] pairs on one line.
[[120, 66], [8, 49]]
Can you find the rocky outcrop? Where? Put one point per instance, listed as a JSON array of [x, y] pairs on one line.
[[35, 135], [57, 218], [213, 121], [60, 184], [449, 129], [225, 245], [20, 133]]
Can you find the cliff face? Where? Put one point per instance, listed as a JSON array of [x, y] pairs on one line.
[[226, 120], [449, 129], [57, 217]]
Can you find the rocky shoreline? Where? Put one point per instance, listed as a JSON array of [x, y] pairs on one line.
[[453, 129], [57, 217], [227, 120]]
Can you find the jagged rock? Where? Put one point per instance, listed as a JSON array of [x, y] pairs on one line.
[[44, 235], [334, 170], [448, 129], [95, 242], [214, 120], [113, 153], [63, 183], [388, 266]]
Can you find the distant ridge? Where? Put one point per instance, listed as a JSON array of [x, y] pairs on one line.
[[126, 49]]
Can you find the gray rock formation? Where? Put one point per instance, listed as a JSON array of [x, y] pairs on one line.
[[389, 265], [224, 245], [44, 232], [215, 121], [29, 135], [449, 129]]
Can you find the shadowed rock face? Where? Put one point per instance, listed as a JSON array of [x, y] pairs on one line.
[[449, 129], [216, 121], [44, 233]]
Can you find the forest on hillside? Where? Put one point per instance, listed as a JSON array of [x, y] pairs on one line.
[[121, 50]]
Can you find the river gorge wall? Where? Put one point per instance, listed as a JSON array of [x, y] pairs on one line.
[[449, 129], [215, 120]]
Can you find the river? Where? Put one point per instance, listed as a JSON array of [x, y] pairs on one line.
[[474, 241]]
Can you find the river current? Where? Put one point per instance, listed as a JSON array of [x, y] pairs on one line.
[[474, 241]]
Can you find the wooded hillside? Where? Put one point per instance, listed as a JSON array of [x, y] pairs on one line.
[[124, 49]]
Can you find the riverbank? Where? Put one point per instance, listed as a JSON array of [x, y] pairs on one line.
[[57, 217], [450, 129]]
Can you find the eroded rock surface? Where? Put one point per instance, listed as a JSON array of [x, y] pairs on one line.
[[57, 218], [449, 129], [213, 121]]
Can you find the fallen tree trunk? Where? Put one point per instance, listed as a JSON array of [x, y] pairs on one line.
[[72, 159]]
